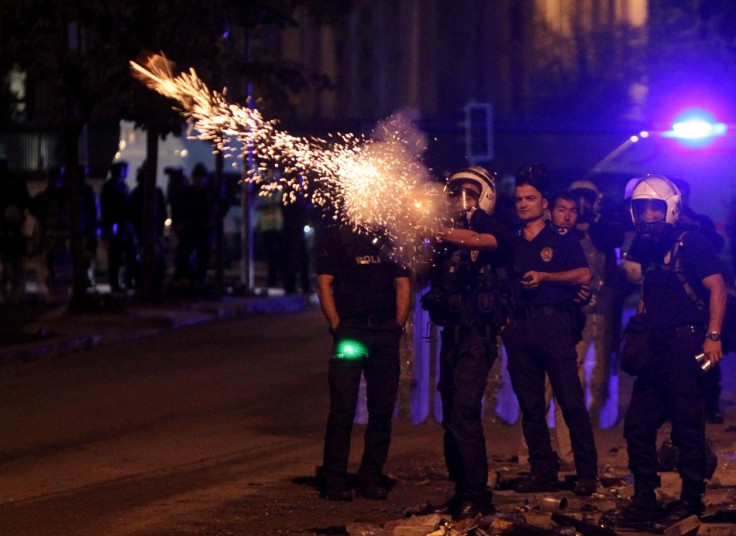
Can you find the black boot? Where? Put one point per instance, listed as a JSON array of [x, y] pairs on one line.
[[677, 511], [472, 505], [639, 515], [538, 483]]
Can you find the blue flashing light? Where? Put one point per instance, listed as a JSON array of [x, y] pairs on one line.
[[696, 129], [696, 124]]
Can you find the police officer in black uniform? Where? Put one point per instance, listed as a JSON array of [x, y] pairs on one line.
[[670, 387], [689, 219], [467, 300], [365, 297], [548, 267]]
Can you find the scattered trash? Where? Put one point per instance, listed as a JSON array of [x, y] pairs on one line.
[[686, 526], [586, 528], [720, 516]]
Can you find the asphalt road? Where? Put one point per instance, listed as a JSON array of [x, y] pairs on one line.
[[121, 439], [216, 429]]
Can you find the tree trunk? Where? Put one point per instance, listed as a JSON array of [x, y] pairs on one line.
[[219, 250], [74, 178]]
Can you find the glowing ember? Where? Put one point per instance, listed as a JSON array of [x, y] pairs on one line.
[[377, 183]]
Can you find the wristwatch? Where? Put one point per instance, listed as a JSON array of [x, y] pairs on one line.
[[713, 335]]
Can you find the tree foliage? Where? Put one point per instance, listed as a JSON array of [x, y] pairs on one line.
[[692, 56], [685, 54], [76, 52], [585, 77], [76, 56]]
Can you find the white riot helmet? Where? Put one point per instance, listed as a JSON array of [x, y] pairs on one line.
[[660, 191], [483, 179], [584, 184]]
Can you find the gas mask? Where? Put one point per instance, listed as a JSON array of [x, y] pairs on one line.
[[655, 237]]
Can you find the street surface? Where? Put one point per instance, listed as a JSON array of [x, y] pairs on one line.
[[214, 429], [124, 439]]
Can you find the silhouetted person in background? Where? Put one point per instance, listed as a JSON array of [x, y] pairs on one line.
[[89, 222], [271, 233], [159, 223], [176, 188], [199, 213], [51, 208], [14, 202], [295, 250], [117, 228]]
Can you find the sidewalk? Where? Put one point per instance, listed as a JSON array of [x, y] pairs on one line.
[[34, 329]]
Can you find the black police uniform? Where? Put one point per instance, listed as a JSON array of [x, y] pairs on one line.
[[671, 387], [468, 301], [541, 339], [366, 341]]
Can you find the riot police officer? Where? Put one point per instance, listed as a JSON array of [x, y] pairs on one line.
[[676, 265], [548, 267], [599, 234], [364, 296], [467, 300]]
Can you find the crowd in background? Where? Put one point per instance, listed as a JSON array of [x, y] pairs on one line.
[[35, 232]]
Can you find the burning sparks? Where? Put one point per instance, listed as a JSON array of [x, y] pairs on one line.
[[376, 183]]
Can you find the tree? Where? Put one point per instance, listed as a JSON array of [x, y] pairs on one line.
[[586, 76], [76, 55], [691, 57], [66, 51]]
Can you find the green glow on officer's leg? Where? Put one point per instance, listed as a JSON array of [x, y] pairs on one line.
[[348, 349]]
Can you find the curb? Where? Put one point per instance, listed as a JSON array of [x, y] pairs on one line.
[[151, 321]]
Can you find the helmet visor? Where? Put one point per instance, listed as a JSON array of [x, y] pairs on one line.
[[648, 210], [464, 196]]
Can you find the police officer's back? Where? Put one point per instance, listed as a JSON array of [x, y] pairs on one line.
[[364, 296]]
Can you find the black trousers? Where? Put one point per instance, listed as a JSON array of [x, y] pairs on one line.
[[122, 253], [466, 357], [539, 344], [371, 350], [670, 389]]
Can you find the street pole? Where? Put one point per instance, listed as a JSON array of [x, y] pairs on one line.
[[246, 201]]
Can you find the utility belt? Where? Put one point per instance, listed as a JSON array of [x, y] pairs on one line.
[[376, 319], [480, 307], [537, 311], [677, 332]]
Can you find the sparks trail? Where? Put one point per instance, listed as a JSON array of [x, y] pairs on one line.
[[376, 182]]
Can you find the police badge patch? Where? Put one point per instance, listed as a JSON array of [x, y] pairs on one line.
[[546, 254]]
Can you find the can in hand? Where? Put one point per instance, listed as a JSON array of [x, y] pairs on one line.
[[704, 362]]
